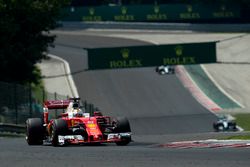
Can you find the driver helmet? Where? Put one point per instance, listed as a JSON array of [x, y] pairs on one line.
[[75, 105]]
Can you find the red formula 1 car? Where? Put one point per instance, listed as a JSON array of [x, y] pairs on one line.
[[73, 126]]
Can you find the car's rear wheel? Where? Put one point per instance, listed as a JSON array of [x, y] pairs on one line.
[[122, 126], [59, 127], [157, 69], [232, 126], [34, 131]]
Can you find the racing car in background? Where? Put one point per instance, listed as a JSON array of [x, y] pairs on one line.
[[224, 124], [165, 69], [74, 126]]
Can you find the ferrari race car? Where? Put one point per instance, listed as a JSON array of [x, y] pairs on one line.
[[74, 126], [165, 69], [224, 124]]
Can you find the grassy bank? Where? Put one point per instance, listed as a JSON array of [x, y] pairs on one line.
[[242, 120], [238, 137]]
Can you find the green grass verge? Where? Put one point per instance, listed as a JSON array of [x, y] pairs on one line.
[[238, 137], [243, 120], [38, 86]]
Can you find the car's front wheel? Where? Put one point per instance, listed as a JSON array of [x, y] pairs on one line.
[[59, 127], [220, 127], [122, 126]]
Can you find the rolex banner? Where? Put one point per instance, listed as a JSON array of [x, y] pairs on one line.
[[151, 13], [151, 55]]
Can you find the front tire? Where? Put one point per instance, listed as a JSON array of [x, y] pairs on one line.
[[59, 127], [122, 126], [34, 131], [220, 128], [162, 72]]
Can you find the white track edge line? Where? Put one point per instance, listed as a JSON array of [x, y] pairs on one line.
[[199, 89], [71, 82], [219, 87]]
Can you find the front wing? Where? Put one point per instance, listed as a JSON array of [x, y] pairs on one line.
[[79, 139]]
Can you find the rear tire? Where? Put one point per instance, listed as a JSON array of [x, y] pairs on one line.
[[157, 69], [34, 131], [59, 127]]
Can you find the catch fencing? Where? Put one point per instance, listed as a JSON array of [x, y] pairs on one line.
[[19, 102]]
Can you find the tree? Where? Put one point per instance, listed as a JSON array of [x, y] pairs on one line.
[[25, 36]]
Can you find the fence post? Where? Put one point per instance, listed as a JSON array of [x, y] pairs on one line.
[[55, 99], [91, 109], [15, 102], [30, 99], [55, 96], [43, 94], [87, 108], [85, 105]]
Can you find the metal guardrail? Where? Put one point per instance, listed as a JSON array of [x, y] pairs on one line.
[[236, 27], [12, 128]]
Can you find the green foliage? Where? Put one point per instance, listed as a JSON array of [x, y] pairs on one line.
[[243, 120], [25, 37], [238, 137], [38, 87]]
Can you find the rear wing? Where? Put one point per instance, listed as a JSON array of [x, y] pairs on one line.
[[56, 104]]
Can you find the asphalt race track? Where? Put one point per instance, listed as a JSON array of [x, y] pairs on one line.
[[153, 103], [16, 152], [159, 108]]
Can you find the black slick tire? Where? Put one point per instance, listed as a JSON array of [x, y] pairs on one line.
[[59, 127], [122, 126], [34, 131]]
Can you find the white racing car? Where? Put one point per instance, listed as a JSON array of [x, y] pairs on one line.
[[165, 69], [224, 124]]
